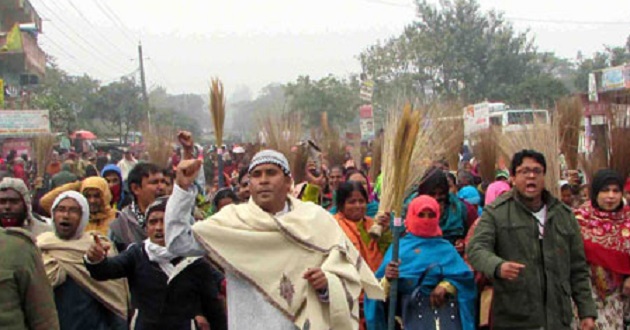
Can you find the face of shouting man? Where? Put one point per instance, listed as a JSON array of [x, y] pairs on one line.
[[67, 218]]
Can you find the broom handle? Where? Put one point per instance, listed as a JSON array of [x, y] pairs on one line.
[[220, 169], [393, 291]]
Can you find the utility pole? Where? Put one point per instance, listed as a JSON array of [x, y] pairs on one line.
[[145, 96]]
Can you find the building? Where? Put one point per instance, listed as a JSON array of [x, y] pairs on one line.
[[22, 61]]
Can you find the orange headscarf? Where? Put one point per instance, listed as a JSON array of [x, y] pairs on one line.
[[423, 227], [100, 221], [369, 250]]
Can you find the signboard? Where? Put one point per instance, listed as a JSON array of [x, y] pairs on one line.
[[24, 122], [476, 118], [367, 128], [616, 78], [367, 89], [592, 88], [366, 111], [21, 146]]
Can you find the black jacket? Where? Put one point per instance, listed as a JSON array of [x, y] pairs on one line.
[[193, 291]]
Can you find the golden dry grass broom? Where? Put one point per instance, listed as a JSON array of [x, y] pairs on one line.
[[43, 145], [569, 117], [541, 137], [217, 112]]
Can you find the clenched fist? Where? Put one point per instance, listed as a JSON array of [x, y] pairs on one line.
[[187, 171]]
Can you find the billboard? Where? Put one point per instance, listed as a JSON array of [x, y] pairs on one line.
[[476, 118], [15, 123]]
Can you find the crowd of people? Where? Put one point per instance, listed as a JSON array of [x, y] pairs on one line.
[[98, 243]]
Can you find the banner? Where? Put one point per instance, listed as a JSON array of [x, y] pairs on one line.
[[367, 89], [14, 40], [367, 129], [24, 122], [476, 118], [592, 88], [616, 78]]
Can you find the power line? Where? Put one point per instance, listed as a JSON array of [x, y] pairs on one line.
[[111, 15], [512, 18], [559, 21], [87, 21], [93, 52], [75, 61]]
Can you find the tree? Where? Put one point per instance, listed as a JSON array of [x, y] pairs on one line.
[[339, 98], [454, 50], [119, 104], [68, 98]]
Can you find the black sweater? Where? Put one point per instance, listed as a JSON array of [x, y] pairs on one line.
[[194, 291]]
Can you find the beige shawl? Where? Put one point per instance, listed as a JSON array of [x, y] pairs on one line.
[[65, 258], [273, 253]]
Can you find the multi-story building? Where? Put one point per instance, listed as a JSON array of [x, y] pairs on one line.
[[22, 61]]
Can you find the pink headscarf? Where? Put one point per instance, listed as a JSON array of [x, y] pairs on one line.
[[423, 227], [495, 190]]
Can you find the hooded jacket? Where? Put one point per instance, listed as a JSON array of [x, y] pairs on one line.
[[34, 226], [120, 203], [99, 222]]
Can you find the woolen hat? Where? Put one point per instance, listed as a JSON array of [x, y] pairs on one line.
[[270, 157]]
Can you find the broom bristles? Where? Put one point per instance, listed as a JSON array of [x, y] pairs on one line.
[[217, 109], [44, 146], [569, 113]]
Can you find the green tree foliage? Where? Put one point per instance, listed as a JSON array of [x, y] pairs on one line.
[[338, 97], [67, 97], [120, 104], [455, 50]]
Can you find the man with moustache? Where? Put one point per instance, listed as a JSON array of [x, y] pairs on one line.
[[82, 302], [288, 264], [530, 245], [146, 183], [15, 207]]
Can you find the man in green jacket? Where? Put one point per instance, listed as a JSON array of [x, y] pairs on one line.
[[26, 298], [530, 245]]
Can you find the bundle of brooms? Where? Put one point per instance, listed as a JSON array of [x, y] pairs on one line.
[[486, 151], [377, 157], [283, 134], [332, 145], [542, 137], [158, 143], [569, 116], [43, 145], [619, 144], [217, 113]]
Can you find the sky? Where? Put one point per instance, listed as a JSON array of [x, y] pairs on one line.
[[254, 43]]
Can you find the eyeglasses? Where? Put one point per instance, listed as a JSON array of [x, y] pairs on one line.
[[528, 170], [69, 210]]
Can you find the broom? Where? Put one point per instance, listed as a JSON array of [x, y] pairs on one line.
[[217, 112], [569, 112], [403, 146], [619, 146], [43, 145], [541, 137]]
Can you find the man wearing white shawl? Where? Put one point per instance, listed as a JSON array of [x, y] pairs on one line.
[[82, 303], [288, 263]]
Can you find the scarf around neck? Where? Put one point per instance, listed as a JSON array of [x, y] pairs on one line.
[[160, 255], [286, 246]]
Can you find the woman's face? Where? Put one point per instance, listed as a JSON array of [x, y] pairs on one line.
[[355, 207], [357, 177], [609, 198]]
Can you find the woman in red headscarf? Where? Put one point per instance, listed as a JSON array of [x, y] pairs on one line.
[[605, 226]]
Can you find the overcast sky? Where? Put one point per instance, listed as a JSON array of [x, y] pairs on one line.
[[257, 42]]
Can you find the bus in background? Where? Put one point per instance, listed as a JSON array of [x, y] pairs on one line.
[[516, 120]]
